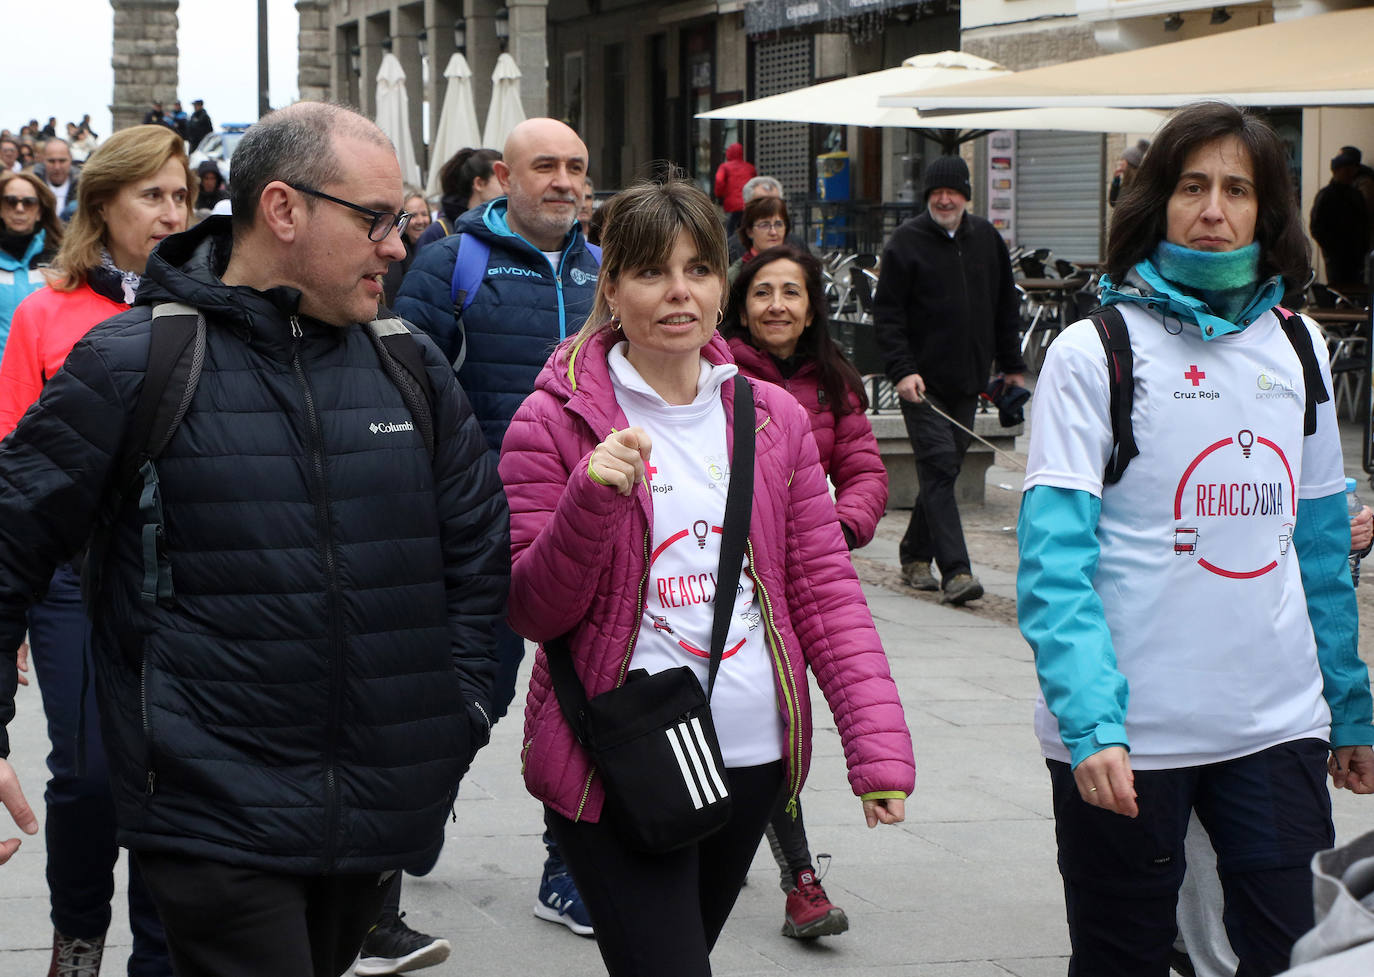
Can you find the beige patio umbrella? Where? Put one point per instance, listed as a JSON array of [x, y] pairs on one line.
[[855, 101], [505, 112], [393, 115], [1323, 59], [458, 127]]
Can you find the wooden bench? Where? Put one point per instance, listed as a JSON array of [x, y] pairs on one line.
[[895, 448]]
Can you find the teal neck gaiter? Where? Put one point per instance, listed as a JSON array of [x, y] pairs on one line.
[[1226, 280]]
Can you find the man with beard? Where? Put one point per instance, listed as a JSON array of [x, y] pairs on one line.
[[514, 278], [943, 307]]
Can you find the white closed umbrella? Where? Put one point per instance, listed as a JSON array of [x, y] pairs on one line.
[[393, 115], [506, 111], [458, 127]]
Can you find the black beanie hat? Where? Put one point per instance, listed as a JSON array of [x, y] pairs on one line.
[[950, 172]]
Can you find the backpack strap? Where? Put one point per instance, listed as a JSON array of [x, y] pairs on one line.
[[176, 353], [1116, 343], [399, 352], [469, 267], [1315, 387], [445, 226], [595, 251]]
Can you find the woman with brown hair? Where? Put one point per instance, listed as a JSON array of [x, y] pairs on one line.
[[617, 469], [30, 233], [765, 225], [135, 190], [1191, 615]]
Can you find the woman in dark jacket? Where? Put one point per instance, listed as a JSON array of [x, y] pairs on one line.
[[418, 210], [467, 180]]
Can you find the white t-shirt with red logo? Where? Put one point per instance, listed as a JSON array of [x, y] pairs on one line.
[[1198, 577], [689, 474]]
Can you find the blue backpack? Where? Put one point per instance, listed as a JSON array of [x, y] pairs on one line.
[[468, 270]]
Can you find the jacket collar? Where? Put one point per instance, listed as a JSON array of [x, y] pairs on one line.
[[186, 267], [493, 216]]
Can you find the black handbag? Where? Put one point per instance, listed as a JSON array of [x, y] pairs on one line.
[[652, 739]]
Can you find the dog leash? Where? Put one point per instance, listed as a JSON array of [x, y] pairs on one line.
[[1015, 462]]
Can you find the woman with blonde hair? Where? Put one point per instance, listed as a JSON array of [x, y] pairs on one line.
[[30, 232], [135, 190], [617, 469]]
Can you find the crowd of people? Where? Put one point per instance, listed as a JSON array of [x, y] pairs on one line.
[[293, 469]]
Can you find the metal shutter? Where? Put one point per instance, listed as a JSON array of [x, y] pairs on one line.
[[1059, 193], [781, 148]]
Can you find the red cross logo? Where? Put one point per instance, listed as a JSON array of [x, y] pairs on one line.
[[1194, 374], [650, 471]]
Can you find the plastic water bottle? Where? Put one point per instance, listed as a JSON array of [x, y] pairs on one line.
[[1353, 506]]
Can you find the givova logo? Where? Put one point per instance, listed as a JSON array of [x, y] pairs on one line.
[[496, 270], [390, 427]]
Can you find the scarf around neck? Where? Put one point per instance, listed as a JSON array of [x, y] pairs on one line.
[[1226, 280], [112, 281]]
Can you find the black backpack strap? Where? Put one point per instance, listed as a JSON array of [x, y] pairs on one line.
[[399, 352], [1315, 387], [1116, 343]]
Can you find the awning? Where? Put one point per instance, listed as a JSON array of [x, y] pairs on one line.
[[853, 101], [1320, 60]]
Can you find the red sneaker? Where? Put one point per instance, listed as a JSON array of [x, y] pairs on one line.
[[809, 912]]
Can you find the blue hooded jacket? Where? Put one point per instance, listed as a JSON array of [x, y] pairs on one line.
[[19, 277], [521, 311]]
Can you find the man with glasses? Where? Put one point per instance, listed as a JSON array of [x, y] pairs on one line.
[[943, 309], [290, 707], [497, 295], [56, 171]]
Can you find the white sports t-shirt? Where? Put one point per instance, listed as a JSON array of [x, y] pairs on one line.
[[689, 475], [1198, 577]]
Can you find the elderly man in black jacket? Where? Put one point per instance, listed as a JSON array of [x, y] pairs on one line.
[[287, 720], [944, 306]]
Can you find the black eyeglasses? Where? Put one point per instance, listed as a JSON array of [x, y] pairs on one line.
[[382, 221], [18, 202]]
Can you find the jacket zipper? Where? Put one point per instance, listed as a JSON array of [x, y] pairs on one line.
[[151, 783], [788, 683], [315, 437], [624, 662]]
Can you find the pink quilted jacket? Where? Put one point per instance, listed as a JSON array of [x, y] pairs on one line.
[[849, 451], [580, 555]]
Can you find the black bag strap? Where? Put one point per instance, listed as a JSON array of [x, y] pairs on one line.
[[739, 498], [1296, 331], [1116, 343], [176, 353]]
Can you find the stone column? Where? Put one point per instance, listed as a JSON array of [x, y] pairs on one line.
[[529, 46], [313, 50], [145, 58]]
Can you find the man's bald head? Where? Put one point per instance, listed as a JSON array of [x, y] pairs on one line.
[[543, 172], [297, 144]]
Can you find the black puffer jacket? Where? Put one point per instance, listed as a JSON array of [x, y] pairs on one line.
[[308, 701], [944, 306]]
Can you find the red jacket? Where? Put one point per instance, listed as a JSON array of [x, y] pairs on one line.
[[848, 449], [580, 551], [45, 327], [731, 176]]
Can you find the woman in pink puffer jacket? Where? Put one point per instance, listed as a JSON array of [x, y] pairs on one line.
[[628, 429]]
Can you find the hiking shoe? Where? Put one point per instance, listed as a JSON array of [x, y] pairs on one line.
[[392, 947], [917, 576], [559, 902], [75, 957], [961, 588], [809, 912]]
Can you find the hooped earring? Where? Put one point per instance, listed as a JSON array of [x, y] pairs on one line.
[[615, 321], [720, 317]]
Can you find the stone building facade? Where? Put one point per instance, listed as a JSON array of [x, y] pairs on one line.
[[144, 58]]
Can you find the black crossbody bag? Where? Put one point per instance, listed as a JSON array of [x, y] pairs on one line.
[[652, 739]]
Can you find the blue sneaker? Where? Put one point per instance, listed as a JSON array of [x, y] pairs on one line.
[[559, 902]]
